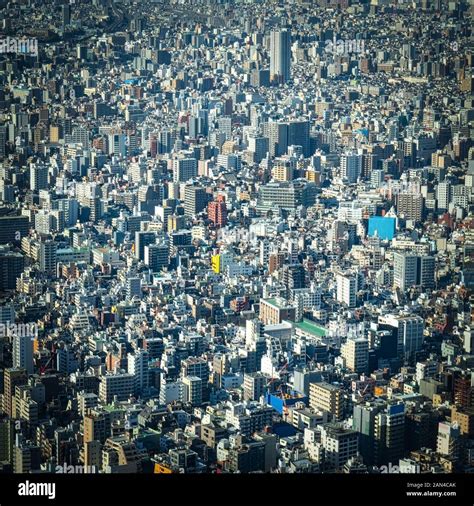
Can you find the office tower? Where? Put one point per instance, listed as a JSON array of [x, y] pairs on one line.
[[351, 167], [217, 211], [12, 265], [192, 390], [138, 367], [13, 228], [426, 268], [143, 239], [119, 385], [413, 270], [38, 177], [255, 385], [443, 195], [277, 134], [197, 366], [326, 397], [339, 445], [363, 421], [66, 14], [166, 139], [224, 124], [117, 143], [12, 378], [356, 354], [184, 169], [448, 441], [134, 287], [280, 56], [157, 256], [70, 208], [260, 77], [66, 361], [389, 434], [259, 146], [298, 135], [405, 270], [3, 140], [195, 199], [48, 256], [294, 277], [23, 352], [409, 331], [347, 286]]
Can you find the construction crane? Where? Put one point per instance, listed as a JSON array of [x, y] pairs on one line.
[[52, 356]]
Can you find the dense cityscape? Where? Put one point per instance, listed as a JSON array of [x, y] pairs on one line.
[[236, 236]]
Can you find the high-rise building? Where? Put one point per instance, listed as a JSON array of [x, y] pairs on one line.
[[7, 436], [48, 256], [13, 228], [294, 277], [157, 256], [339, 445], [351, 167], [195, 199], [12, 264], [217, 211], [138, 367], [405, 270], [192, 390], [347, 286], [134, 287], [298, 135], [120, 385], [413, 270], [184, 169], [286, 195], [143, 239], [13, 377], [277, 134], [38, 177], [254, 386], [410, 206], [409, 331], [356, 354], [280, 56], [443, 195], [326, 397], [197, 366], [66, 14], [23, 352]]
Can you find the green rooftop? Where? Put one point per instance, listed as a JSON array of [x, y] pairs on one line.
[[310, 327]]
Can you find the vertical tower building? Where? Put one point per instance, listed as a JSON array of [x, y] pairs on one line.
[[38, 177], [23, 352], [217, 211], [195, 199], [254, 386], [351, 167], [356, 354], [280, 56], [347, 289]]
